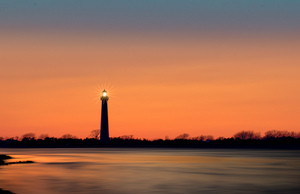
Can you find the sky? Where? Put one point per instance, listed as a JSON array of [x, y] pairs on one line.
[[170, 67]]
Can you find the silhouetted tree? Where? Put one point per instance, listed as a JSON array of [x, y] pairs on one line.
[[95, 134], [279, 134], [28, 136], [183, 136], [209, 138], [43, 136], [199, 138], [1, 138], [245, 135], [68, 136], [126, 137], [294, 134], [203, 138]]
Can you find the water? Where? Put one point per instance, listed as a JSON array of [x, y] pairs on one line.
[[124, 171]]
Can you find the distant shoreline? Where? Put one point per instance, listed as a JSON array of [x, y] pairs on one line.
[[136, 147], [230, 143]]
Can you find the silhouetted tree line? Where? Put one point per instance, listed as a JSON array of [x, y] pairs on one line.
[[243, 139]]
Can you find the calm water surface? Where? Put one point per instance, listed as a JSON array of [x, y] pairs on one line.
[[98, 170]]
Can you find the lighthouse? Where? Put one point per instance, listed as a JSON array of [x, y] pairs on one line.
[[104, 136]]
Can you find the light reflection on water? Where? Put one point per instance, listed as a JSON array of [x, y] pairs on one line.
[[98, 170]]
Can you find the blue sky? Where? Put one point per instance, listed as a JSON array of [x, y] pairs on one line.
[[168, 16]]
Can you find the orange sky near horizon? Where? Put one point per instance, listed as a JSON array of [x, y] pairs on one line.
[[159, 86]]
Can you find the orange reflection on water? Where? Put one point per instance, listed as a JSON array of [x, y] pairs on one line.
[[150, 171]]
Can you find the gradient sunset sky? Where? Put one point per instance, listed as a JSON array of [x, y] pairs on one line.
[[170, 66]]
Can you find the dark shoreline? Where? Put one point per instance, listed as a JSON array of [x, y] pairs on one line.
[[2, 158], [5, 191], [230, 143], [6, 157], [2, 163]]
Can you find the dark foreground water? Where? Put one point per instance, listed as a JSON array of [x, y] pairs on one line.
[[98, 170]]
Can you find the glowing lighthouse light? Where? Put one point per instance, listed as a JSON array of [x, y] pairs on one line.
[[104, 134]]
